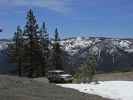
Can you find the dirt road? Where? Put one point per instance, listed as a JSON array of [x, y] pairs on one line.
[[15, 88]]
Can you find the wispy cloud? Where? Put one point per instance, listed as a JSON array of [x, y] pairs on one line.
[[56, 5]]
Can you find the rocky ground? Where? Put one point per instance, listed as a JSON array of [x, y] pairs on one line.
[[15, 88]]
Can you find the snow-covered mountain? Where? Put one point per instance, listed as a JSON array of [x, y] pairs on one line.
[[112, 53], [73, 45]]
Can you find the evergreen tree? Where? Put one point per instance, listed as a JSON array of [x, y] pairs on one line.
[[57, 52], [44, 48], [19, 49], [15, 50], [57, 39], [45, 40], [87, 70], [31, 35], [30, 49]]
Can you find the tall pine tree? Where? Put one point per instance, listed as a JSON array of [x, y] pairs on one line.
[[45, 40], [19, 49], [15, 50], [44, 48], [57, 52], [31, 35]]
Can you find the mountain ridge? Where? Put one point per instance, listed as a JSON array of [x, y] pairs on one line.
[[111, 53]]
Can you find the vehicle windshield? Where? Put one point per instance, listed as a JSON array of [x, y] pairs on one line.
[[58, 73]]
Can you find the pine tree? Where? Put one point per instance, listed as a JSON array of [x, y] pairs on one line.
[[44, 48], [32, 37], [45, 40], [88, 69], [57, 39], [57, 52], [15, 50], [19, 49]]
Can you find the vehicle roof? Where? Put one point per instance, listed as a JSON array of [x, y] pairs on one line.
[[57, 71], [65, 75]]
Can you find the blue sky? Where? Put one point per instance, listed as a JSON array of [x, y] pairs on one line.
[[113, 18]]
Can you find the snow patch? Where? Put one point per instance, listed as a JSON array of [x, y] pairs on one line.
[[72, 46], [124, 44], [117, 90]]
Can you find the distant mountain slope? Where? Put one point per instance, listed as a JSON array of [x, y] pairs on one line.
[[112, 53], [5, 66]]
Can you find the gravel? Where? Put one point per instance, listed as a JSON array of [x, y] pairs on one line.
[[16, 88]]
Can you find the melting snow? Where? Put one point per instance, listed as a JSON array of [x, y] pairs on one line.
[[117, 90]]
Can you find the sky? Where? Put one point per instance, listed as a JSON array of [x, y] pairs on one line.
[[109, 18]]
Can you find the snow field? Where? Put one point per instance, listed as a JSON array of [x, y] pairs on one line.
[[116, 90]]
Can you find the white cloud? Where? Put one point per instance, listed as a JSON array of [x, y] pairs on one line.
[[56, 5]]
